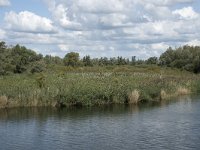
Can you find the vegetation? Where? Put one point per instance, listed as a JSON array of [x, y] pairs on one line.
[[29, 79], [185, 58], [119, 85], [71, 59], [18, 59]]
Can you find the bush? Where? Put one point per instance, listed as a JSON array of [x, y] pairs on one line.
[[38, 67]]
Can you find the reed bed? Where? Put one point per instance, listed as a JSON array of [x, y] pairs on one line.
[[94, 88]]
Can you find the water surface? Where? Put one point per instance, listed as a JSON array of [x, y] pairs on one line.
[[172, 125]]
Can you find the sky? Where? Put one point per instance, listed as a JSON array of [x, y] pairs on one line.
[[100, 28]]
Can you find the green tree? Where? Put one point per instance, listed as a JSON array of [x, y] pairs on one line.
[[2, 46], [87, 61], [5, 59], [186, 57], [71, 59], [133, 60], [22, 57], [121, 61], [167, 57], [38, 67], [152, 60]]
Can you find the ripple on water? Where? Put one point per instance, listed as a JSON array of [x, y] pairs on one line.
[[171, 126]]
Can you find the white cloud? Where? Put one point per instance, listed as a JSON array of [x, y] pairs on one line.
[[186, 13], [95, 14], [157, 12], [147, 50], [61, 16], [26, 21], [193, 43], [166, 2], [141, 28], [2, 34], [4, 2], [33, 38], [115, 20], [64, 47], [101, 6], [152, 32], [159, 46]]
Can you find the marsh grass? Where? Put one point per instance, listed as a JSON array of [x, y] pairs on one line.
[[183, 91], [134, 97], [133, 85], [3, 101]]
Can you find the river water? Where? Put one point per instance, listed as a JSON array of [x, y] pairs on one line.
[[168, 125]]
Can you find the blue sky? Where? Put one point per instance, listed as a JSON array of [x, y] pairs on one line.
[[140, 28]]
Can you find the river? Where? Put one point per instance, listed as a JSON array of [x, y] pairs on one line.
[[167, 125]]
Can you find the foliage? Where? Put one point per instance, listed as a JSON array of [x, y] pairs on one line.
[[95, 87], [152, 60], [48, 59], [38, 67], [71, 59], [18, 59], [186, 58], [87, 60]]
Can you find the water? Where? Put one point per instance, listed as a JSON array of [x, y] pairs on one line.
[[174, 125]]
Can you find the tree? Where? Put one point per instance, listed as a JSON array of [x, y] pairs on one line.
[[167, 57], [2, 46], [38, 67], [71, 59], [47, 59], [133, 60], [121, 61], [22, 57], [186, 57], [152, 60], [5, 59], [112, 61], [87, 61], [196, 64]]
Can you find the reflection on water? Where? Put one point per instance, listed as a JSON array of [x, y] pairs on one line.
[[165, 125]]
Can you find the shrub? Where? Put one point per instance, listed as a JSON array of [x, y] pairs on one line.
[[38, 67]]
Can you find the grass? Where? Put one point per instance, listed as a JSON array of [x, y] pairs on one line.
[[96, 86]]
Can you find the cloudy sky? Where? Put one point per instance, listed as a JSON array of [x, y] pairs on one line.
[[141, 28]]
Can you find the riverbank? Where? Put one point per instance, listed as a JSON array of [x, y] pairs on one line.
[[95, 87]]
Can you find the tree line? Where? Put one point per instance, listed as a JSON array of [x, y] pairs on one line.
[[19, 59], [185, 58]]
